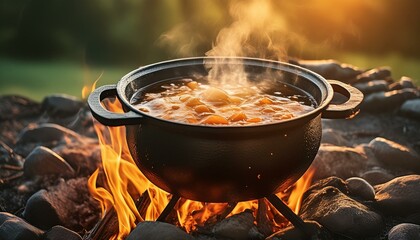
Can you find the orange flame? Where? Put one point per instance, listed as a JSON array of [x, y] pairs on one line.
[[122, 183], [295, 198], [121, 175], [88, 88], [192, 214]]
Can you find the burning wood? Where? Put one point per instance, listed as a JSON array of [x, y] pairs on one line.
[[107, 227]]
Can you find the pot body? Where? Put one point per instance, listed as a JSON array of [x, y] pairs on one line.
[[222, 163]]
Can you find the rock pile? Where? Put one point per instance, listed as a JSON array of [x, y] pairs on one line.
[[382, 92], [48, 151]]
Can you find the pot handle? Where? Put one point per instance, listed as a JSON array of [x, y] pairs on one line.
[[105, 116], [347, 109]]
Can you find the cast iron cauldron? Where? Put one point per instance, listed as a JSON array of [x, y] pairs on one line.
[[223, 163]]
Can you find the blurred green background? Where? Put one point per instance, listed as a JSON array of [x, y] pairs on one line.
[[58, 46]]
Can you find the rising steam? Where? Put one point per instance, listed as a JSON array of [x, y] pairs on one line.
[[257, 30]]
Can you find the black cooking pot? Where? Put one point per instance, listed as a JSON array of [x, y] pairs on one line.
[[223, 163]]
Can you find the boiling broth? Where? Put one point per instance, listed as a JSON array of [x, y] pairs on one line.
[[193, 101]]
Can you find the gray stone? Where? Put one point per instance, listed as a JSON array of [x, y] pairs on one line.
[[405, 82], [404, 231], [61, 105], [41, 210], [43, 161], [292, 233], [387, 101], [343, 162], [360, 188], [377, 176], [14, 107], [372, 86], [60, 232], [400, 196], [367, 150], [394, 154], [58, 205], [157, 231], [334, 137], [394, 86], [15, 228], [331, 69], [47, 132], [255, 234], [199, 236], [343, 215], [411, 108], [235, 227], [85, 157], [335, 182], [379, 73]]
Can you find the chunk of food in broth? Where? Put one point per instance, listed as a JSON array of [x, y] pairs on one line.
[[216, 96], [192, 85], [239, 116], [203, 109], [215, 119]]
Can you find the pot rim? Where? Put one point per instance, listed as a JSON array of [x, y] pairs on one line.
[[326, 94]]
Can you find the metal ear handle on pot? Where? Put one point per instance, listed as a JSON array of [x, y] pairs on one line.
[[281, 152], [106, 117], [348, 108]]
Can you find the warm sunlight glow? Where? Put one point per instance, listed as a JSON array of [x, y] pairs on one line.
[[257, 31]]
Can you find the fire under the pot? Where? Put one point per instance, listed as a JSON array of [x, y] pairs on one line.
[[120, 187]]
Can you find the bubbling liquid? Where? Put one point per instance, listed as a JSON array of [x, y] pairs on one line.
[[195, 102]]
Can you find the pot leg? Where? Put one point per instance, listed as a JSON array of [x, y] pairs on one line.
[[290, 215], [162, 217]]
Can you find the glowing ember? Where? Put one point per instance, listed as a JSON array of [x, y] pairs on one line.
[[119, 182]]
